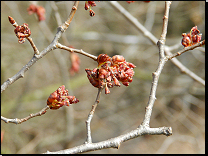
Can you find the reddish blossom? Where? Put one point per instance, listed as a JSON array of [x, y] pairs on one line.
[[75, 63], [92, 13], [60, 97], [88, 5], [192, 38], [22, 32], [39, 10], [110, 71]]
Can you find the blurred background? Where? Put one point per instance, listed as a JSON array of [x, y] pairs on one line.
[[180, 100]]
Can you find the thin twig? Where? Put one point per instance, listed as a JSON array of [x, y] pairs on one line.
[[66, 24], [162, 39], [19, 121], [184, 69], [60, 46], [36, 52], [186, 49], [90, 116]]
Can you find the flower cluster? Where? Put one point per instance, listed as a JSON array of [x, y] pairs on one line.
[[39, 10], [89, 4], [60, 98], [110, 71], [192, 38], [21, 31]]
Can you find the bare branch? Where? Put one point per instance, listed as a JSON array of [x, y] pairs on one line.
[[65, 25], [116, 142], [186, 49], [19, 121], [156, 74], [162, 39], [90, 116], [60, 46]]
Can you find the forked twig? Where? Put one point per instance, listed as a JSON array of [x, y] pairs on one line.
[[154, 40], [66, 24], [36, 57], [162, 61]]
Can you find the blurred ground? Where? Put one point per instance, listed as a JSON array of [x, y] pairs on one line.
[[180, 100]]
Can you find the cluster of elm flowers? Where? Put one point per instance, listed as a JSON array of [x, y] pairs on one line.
[[60, 97], [110, 71], [21, 31], [191, 38]]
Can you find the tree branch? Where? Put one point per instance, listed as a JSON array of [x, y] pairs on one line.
[[60, 46], [186, 49], [153, 39], [36, 57], [156, 74], [19, 121], [116, 142], [90, 116]]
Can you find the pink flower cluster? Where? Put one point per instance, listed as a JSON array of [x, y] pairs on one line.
[[21, 31], [60, 97], [110, 71], [192, 38]]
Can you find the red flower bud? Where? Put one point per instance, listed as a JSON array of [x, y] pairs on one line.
[[186, 41], [86, 6], [92, 13], [92, 78], [103, 58], [118, 58], [107, 90]]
